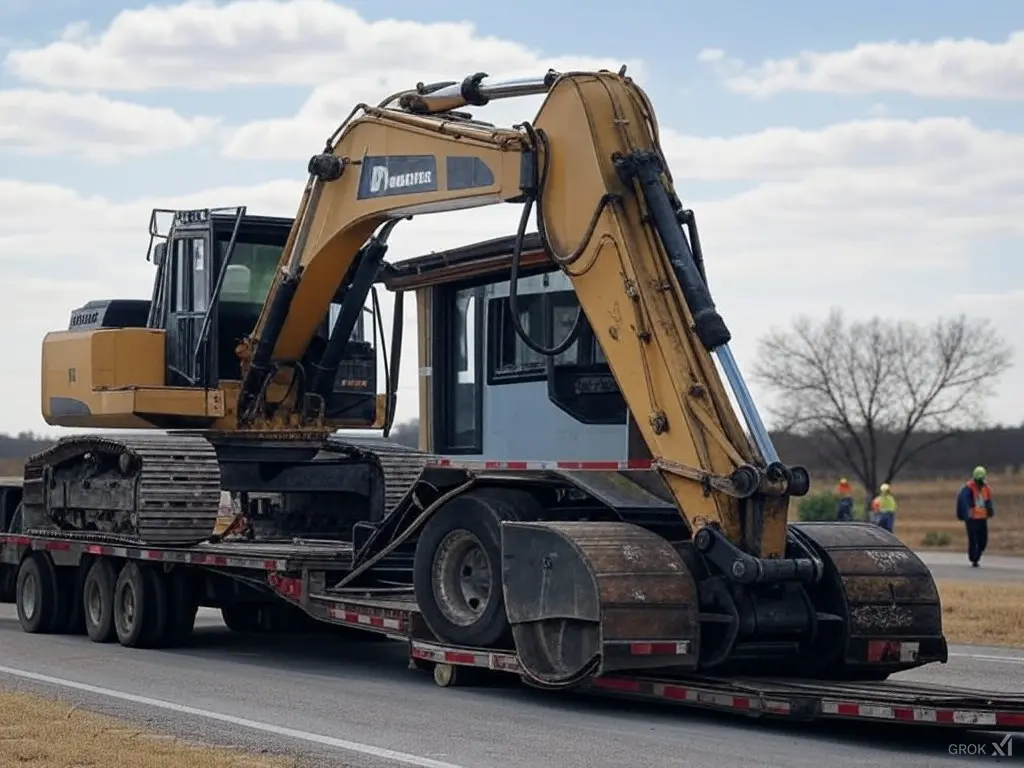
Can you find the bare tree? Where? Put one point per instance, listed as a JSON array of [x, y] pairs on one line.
[[853, 383]]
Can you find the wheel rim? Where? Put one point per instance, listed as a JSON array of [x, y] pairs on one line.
[[463, 586], [94, 603], [29, 596], [127, 605]]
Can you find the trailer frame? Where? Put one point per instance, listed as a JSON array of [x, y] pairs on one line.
[[287, 572]]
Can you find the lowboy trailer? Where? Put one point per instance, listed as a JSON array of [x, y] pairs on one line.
[[77, 583]]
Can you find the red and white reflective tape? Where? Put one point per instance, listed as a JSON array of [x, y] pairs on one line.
[[684, 694], [523, 466], [893, 651], [365, 619], [680, 648], [504, 662], [905, 714], [158, 555]]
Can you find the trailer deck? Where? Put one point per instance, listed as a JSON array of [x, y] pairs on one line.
[[293, 571]]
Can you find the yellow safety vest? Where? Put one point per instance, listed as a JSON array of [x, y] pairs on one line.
[[886, 503]]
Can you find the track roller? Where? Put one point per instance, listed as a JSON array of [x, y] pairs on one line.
[[140, 606], [586, 598], [457, 566]]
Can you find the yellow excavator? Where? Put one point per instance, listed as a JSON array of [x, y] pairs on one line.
[[251, 352]]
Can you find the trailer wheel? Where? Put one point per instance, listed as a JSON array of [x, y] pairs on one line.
[[446, 675], [98, 601], [457, 566], [39, 598], [244, 617], [8, 584], [71, 582], [182, 607], [140, 606]]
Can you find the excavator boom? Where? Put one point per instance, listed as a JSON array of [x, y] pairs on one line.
[[592, 166]]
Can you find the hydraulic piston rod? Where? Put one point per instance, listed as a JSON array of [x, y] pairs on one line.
[[473, 91], [645, 168]]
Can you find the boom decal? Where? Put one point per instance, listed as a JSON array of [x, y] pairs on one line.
[[397, 175]]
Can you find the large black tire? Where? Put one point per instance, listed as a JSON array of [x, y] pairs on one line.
[[182, 606], [457, 566], [98, 601], [71, 583], [242, 617], [40, 600], [140, 606], [8, 583]]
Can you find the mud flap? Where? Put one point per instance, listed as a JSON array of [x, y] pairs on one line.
[[883, 591], [584, 599]]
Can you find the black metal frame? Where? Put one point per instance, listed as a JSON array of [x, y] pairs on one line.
[[442, 354]]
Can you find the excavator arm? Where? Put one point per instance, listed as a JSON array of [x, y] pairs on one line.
[[592, 167], [381, 166]]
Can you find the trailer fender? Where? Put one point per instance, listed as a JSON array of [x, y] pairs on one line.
[[586, 598]]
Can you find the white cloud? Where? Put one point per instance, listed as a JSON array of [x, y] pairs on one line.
[[964, 68], [200, 45], [93, 126], [60, 249], [822, 216], [304, 133], [798, 221]]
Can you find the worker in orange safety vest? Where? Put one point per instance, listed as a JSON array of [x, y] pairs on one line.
[[974, 507], [844, 492]]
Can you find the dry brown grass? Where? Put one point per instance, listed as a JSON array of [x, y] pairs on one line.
[[929, 507], [40, 733], [983, 613]]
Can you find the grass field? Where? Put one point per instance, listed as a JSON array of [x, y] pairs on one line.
[[927, 514], [983, 613], [42, 733]]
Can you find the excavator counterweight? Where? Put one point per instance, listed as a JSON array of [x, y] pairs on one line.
[[250, 353]]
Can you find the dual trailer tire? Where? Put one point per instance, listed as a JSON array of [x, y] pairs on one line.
[[457, 566], [140, 606]]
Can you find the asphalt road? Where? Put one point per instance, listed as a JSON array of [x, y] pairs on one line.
[[347, 704], [955, 566]]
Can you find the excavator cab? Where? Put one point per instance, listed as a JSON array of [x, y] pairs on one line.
[[171, 361]]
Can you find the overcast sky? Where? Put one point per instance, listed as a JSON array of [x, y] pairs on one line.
[[868, 155]]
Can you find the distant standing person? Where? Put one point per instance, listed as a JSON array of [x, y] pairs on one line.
[[884, 506], [844, 492], [974, 508]]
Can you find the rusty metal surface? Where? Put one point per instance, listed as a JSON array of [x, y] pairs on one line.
[[887, 591], [578, 593]]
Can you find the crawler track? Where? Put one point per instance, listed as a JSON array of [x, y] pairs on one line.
[[160, 490]]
